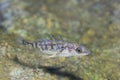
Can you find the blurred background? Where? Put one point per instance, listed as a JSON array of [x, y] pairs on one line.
[[94, 23]]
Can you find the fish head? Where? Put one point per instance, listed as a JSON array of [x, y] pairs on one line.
[[78, 50], [81, 50]]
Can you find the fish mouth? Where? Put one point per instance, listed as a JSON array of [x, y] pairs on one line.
[[86, 53]]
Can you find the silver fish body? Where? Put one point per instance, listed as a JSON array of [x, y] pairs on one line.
[[58, 48]]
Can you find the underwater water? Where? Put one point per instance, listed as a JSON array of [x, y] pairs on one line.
[[95, 24]]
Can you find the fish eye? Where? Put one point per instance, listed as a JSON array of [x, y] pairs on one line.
[[79, 50]]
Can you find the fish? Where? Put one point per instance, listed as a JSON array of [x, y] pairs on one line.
[[58, 48]]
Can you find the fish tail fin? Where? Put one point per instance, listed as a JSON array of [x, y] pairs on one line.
[[25, 42]]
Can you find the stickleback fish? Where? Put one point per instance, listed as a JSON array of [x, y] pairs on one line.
[[60, 48]]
